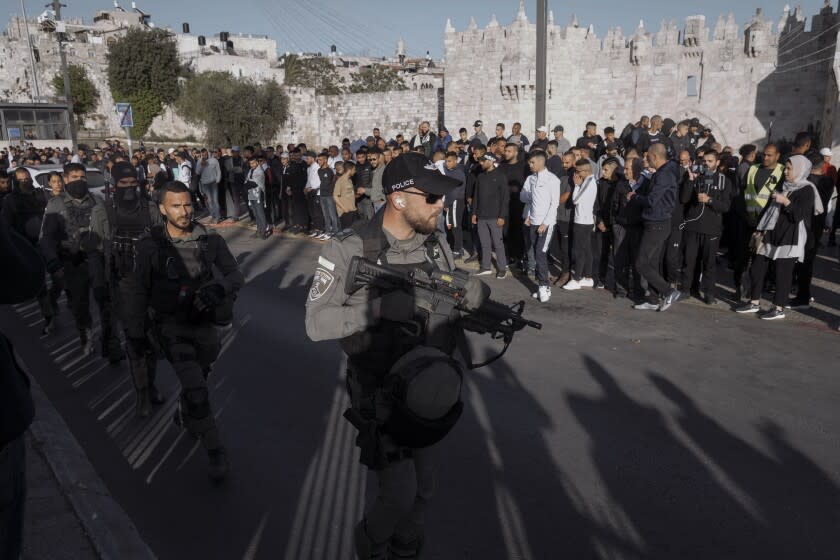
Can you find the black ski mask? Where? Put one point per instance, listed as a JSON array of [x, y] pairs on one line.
[[77, 189], [126, 197]]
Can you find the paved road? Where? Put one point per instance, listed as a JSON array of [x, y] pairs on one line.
[[694, 433]]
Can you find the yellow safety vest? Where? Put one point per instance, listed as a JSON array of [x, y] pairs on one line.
[[757, 200]]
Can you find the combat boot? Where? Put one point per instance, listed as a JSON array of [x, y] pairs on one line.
[[366, 549], [401, 550], [219, 466]]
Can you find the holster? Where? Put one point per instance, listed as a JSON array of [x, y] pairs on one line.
[[368, 440]]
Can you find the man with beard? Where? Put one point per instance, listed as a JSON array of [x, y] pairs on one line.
[[188, 277], [71, 249], [372, 325], [516, 171], [119, 224], [23, 210]]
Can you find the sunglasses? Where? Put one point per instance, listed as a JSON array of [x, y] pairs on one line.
[[430, 198]]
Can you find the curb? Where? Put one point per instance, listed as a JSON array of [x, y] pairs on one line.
[[110, 530]]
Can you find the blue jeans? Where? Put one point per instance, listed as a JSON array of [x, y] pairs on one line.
[[330, 215], [211, 195]]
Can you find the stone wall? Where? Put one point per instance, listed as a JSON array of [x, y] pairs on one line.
[[740, 82], [320, 120]]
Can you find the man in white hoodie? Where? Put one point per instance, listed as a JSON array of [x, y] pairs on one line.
[[541, 196], [583, 197]]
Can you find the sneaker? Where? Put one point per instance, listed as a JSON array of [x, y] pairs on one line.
[[771, 314], [486, 272], [797, 303], [535, 295], [587, 283], [323, 236], [710, 299], [747, 307], [545, 294], [646, 306], [501, 275], [472, 258], [572, 285], [456, 255], [563, 278], [599, 285], [315, 233], [670, 299]]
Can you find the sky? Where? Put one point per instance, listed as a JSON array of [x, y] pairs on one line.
[[373, 27]]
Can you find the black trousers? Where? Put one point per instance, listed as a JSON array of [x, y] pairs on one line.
[[674, 255], [561, 246], [316, 215], [455, 224], [784, 278], [602, 245], [706, 246], [740, 253], [583, 250], [654, 237], [299, 209], [626, 242], [537, 245]]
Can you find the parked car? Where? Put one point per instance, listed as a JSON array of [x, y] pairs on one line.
[[41, 174]]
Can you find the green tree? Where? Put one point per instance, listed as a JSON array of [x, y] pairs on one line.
[[82, 91], [143, 68], [316, 72], [233, 110], [376, 78]]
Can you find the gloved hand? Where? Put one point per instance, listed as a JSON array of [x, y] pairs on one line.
[[396, 305], [209, 296], [476, 293]]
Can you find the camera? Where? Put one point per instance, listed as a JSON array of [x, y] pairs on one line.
[[698, 168]]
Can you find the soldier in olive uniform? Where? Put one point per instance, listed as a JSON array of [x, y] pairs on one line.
[[119, 224], [187, 279], [72, 252], [378, 332]]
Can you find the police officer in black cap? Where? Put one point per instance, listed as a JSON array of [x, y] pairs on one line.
[[119, 224], [389, 338]]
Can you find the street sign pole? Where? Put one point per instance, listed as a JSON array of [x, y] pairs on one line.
[[127, 130], [126, 117]]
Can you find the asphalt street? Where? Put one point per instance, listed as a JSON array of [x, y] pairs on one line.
[[611, 433]]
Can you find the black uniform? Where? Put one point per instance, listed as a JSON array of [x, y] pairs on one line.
[[172, 276]]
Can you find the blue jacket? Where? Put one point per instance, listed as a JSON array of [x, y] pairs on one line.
[[659, 201]]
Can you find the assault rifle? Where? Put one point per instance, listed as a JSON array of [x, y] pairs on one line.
[[442, 292]]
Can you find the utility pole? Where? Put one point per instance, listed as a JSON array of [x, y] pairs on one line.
[[36, 93], [56, 5], [542, 54]]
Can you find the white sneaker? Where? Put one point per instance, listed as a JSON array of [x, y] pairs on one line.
[[535, 295], [572, 285], [587, 283], [545, 294]]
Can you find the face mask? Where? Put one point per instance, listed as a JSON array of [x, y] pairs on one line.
[[126, 196], [25, 186], [77, 189]]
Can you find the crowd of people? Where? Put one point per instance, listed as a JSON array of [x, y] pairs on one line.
[[646, 212]]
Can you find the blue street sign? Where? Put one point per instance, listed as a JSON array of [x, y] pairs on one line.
[[14, 133], [125, 114]]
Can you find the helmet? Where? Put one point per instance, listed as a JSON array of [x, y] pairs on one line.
[[424, 387]]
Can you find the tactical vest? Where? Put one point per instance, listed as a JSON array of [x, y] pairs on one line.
[[126, 229], [77, 223], [173, 287], [375, 350], [757, 200]]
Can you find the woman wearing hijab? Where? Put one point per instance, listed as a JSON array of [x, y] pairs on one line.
[[781, 236]]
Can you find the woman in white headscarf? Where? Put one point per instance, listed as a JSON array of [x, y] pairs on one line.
[[781, 236]]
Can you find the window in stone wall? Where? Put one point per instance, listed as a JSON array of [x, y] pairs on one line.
[[691, 86]]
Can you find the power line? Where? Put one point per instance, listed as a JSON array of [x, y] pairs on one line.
[[804, 65], [807, 55]]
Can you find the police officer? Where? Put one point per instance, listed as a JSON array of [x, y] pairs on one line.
[[187, 278], [119, 223], [384, 334], [71, 250]]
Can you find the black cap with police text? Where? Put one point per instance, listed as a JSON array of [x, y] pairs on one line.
[[413, 170], [123, 170]]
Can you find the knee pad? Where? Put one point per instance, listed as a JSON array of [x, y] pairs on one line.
[[196, 403]]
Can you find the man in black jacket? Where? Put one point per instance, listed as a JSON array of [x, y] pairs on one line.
[[711, 197], [654, 136], [489, 214], [362, 182], [675, 246], [16, 406], [472, 170], [657, 207], [515, 170]]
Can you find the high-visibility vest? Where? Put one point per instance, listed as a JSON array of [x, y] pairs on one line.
[[757, 200]]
